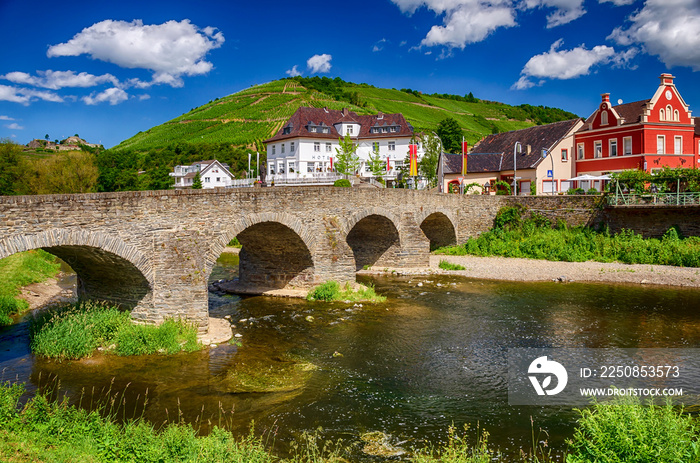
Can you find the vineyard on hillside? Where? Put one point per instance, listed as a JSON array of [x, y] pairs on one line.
[[252, 115]]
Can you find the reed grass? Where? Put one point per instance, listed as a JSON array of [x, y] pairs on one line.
[[333, 291]]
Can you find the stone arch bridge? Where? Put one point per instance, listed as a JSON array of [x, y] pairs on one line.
[[154, 250]]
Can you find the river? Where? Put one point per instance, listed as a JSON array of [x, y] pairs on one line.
[[434, 354]]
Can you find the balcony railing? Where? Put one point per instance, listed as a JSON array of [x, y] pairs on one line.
[[318, 178]]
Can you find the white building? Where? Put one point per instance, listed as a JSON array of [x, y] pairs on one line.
[[305, 146], [212, 173]]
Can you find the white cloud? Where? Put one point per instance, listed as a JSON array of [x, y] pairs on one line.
[[170, 50], [55, 80], [379, 46], [319, 63], [25, 96], [565, 11], [618, 2], [471, 21], [145, 96], [14, 126], [564, 64], [112, 95], [6, 118], [667, 29], [293, 72]]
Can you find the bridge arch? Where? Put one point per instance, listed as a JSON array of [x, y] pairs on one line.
[[277, 251], [439, 227], [373, 236], [107, 268]]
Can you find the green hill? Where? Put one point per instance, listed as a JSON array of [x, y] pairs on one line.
[[252, 115]]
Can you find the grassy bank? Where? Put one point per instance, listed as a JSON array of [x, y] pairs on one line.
[[535, 238], [76, 331], [18, 270], [332, 291], [623, 430]]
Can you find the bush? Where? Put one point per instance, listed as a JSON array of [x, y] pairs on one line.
[[343, 183], [502, 188], [332, 291], [624, 430], [592, 191], [575, 191], [328, 291], [509, 217]]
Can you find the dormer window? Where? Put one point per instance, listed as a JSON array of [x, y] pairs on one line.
[[349, 130], [287, 130], [604, 118], [326, 130], [312, 129]]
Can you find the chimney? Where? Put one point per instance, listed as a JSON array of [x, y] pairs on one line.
[[605, 97], [380, 115], [345, 111], [666, 79]]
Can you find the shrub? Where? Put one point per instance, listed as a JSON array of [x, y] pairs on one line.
[[449, 266], [625, 430], [344, 183], [502, 188], [575, 191], [328, 291], [592, 191], [509, 217], [169, 337]]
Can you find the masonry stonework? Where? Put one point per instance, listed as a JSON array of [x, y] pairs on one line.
[[154, 250]]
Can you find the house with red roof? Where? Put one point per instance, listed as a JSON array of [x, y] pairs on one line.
[[645, 135], [305, 146], [212, 173]]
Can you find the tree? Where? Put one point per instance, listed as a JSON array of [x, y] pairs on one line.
[[431, 155], [347, 161], [10, 162], [376, 164], [451, 135], [47, 137], [74, 172], [197, 182]]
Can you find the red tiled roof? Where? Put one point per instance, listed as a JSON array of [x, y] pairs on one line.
[[304, 117]]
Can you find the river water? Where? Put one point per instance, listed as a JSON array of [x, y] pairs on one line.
[[434, 354]]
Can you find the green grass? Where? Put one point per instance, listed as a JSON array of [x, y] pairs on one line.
[[18, 270], [78, 330], [534, 238], [449, 266], [626, 431], [52, 431], [255, 113], [459, 448], [332, 291]]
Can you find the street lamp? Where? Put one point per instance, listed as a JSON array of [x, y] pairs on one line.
[[546, 152], [517, 149]]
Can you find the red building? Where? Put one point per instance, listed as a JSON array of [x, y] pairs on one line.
[[645, 135]]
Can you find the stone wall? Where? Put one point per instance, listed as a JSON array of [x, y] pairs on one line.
[[154, 250]]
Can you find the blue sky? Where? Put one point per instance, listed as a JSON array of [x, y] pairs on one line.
[[107, 70]]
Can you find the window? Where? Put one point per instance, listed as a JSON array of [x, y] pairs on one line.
[[392, 146], [580, 153], [309, 167], [669, 112], [394, 129], [317, 146], [291, 147], [612, 148], [218, 179], [348, 130], [282, 149], [678, 145], [292, 166], [676, 116], [273, 149], [660, 144], [375, 146], [627, 146], [604, 118], [564, 155], [662, 115], [206, 179], [326, 130], [597, 149], [287, 130]]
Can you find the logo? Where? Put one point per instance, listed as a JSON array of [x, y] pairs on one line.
[[540, 367]]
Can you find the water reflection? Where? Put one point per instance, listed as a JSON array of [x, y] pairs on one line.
[[432, 355]]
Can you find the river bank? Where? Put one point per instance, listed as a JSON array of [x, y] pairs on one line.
[[516, 269]]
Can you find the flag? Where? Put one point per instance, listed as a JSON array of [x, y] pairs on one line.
[[465, 149], [388, 165], [413, 157], [331, 163]]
